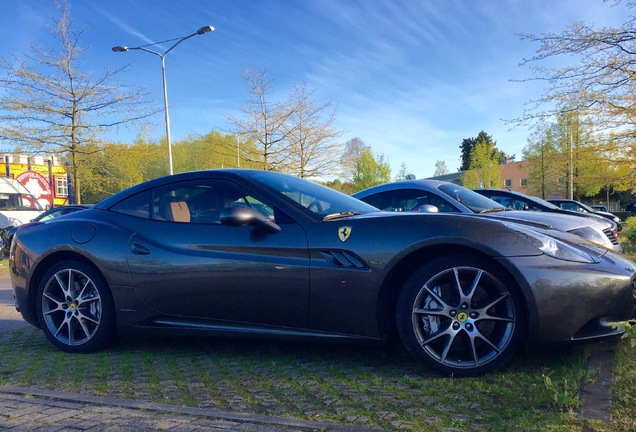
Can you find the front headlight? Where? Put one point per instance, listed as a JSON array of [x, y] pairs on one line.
[[553, 247]]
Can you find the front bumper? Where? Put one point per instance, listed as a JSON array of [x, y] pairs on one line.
[[577, 302]]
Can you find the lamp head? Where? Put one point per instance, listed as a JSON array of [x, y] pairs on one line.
[[120, 48], [206, 29]]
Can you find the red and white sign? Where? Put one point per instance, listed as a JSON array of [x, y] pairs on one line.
[[39, 187]]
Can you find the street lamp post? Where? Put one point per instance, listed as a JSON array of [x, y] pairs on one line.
[[202, 30]]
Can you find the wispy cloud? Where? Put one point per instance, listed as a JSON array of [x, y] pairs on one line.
[[122, 25]]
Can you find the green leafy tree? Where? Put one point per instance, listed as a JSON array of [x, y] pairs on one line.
[[484, 169], [567, 157], [370, 171], [111, 167], [579, 149], [468, 145], [466, 148], [544, 159], [214, 150]]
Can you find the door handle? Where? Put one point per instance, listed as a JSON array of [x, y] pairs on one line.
[[139, 249]]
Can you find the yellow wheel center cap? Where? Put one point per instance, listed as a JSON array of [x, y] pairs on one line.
[[462, 317], [72, 307]]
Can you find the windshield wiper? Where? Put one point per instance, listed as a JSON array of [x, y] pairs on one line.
[[492, 210], [343, 214]]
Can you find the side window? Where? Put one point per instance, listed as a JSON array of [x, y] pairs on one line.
[[501, 200], [400, 200], [202, 201], [570, 206], [381, 201], [442, 205], [53, 214], [512, 203], [136, 205]]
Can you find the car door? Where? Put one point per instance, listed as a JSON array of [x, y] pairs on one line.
[[184, 262]]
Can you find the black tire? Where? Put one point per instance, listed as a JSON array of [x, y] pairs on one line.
[[460, 315], [75, 307]]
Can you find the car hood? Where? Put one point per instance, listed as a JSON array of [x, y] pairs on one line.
[[561, 222]]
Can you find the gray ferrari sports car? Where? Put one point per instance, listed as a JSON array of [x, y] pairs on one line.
[[263, 254]]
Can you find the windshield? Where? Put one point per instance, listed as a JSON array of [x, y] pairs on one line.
[[542, 202], [585, 208], [18, 201], [319, 201], [475, 202]]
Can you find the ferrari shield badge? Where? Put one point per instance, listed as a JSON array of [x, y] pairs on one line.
[[344, 233]]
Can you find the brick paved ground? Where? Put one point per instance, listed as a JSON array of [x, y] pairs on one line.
[[27, 409]]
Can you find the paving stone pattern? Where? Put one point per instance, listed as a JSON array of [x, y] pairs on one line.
[[26, 410]]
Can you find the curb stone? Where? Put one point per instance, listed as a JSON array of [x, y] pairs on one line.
[[596, 394]]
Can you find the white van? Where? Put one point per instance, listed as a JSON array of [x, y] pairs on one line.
[[17, 204]]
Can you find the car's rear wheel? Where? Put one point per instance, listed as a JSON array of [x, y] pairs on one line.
[[75, 307], [456, 314]]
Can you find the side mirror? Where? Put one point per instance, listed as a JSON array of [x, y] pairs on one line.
[[243, 216]]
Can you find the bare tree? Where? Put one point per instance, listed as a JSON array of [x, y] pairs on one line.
[[440, 168], [312, 151], [352, 152], [401, 175], [264, 121], [598, 82], [50, 105]]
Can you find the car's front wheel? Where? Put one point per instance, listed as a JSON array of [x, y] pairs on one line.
[[456, 314], [75, 307]]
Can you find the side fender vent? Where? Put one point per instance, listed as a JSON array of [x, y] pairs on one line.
[[343, 259]]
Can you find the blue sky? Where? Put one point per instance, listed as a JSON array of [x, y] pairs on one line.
[[411, 78]]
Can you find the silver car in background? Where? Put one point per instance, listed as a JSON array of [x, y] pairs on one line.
[[440, 196]]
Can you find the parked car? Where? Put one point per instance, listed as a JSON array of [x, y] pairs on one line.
[[573, 205], [631, 207], [441, 196], [17, 204], [463, 293], [519, 201], [7, 234]]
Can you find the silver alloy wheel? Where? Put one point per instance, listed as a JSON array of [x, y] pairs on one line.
[[463, 317], [71, 307]]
